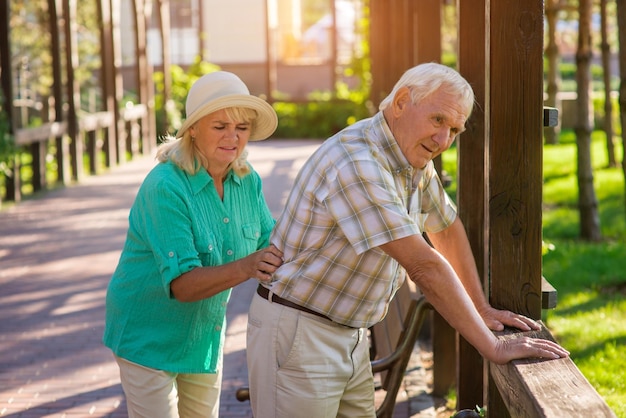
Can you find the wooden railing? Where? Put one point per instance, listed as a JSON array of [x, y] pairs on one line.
[[100, 140], [531, 388], [546, 388]]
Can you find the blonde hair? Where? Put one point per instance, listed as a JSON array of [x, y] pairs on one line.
[[185, 154], [424, 79]]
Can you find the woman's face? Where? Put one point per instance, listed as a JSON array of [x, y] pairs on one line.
[[220, 139]]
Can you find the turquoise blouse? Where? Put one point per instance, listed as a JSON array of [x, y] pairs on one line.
[[177, 223]]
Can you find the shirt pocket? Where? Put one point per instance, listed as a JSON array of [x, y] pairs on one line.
[[252, 235], [208, 249]]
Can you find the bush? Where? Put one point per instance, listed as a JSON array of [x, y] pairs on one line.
[[316, 119], [7, 141]]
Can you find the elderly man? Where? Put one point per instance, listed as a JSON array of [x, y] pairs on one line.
[[351, 231]]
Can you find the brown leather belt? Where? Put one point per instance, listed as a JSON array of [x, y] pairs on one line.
[[264, 292]]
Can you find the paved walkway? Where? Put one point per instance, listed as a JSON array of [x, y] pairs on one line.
[[57, 253]]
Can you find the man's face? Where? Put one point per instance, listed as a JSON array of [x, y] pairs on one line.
[[425, 129]]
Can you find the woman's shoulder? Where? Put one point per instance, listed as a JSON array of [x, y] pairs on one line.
[[164, 174]]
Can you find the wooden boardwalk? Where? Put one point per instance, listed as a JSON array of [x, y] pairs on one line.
[[57, 253]]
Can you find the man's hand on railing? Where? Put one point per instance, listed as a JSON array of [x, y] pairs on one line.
[[519, 346], [497, 319]]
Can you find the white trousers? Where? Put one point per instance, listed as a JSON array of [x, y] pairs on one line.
[[152, 393], [301, 365]]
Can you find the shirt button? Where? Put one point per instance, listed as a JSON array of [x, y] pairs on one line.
[[171, 254], [218, 328], [226, 220], [210, 247], [257, 234], [229, 252]]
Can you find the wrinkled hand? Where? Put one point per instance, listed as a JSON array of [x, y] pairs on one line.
[[263, 263], [497, 319], [526, 347]]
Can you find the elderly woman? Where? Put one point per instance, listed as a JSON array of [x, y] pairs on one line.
[[199, 226]]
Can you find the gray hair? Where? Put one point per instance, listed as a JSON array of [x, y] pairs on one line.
[[424, 79]]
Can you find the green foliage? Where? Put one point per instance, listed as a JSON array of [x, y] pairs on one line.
[[560, 194], [169, 116], [324, 114], [7, 141], [328, 112], [590, 317], [567, 70]]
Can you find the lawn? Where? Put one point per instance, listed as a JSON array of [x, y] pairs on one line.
[[590, 317]]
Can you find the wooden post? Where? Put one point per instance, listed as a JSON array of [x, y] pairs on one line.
[[143, 9], [164, 24], [108, 81], [39, 150], [516, 151], [73, 89], [392, 43], [515, 159], [428, 30], [62, 146], [426, 27], [472, 176], [116, 81]]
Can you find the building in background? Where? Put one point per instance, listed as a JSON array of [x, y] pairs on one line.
[[280, 48]]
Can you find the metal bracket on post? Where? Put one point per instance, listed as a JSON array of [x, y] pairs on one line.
[[550, 117]]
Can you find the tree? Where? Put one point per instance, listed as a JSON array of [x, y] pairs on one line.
[[552, 54], [606, 67], [621, 25], [587, 201]]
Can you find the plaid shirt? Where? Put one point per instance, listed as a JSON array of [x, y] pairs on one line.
[[355, 193]]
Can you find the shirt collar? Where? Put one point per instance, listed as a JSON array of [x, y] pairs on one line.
[[202, 179], [389, 145]]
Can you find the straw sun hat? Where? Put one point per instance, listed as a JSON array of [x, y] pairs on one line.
[[221, 89]]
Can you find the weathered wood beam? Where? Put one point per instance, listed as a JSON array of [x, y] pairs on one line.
[[539, 388], [27, 136], [472, 177]]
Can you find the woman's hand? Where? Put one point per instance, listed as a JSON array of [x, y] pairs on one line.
[[262, 264]]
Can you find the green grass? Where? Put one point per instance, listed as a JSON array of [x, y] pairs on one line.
[[590, 317]]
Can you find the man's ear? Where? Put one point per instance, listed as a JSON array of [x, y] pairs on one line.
[[401, 100]]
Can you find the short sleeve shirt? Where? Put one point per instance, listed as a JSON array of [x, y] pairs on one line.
[[178, 222], [355, 193]]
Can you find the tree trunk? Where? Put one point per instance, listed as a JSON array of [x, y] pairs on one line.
[[554, 75], [621, 25], [606, 70], [587, 202]]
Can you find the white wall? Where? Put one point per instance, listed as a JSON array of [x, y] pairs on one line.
[[235, 31]]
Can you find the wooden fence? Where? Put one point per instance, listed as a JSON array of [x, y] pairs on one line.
[[99, 142]]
